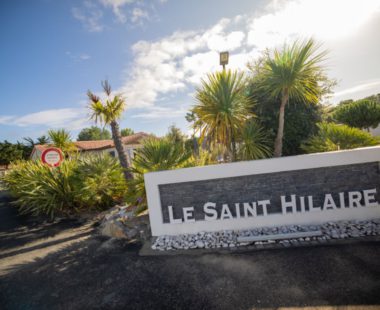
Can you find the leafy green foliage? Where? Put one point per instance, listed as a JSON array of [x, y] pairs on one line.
[[127, 132], [254, 142], [154, 155], [205, 157], [361, 114], [108, 113], [91, 182], [294, 69], [98, 181], [175, 135], [333, 137], [374, 98], [40, 189], [94, 133], [222, 108], [40, 140], [11, 152], [293, 73], [61, 138], [43, 140], [300, 116], [302, 119]]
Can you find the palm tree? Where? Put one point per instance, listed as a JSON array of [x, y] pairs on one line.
[[61, 138], [222, 108], [43, 140], [40, 140], [292, 73], [108, 113]]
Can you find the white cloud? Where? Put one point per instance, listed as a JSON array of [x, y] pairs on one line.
[[138, 15], [70, 118], [197, 65], [158, 113], [5, 119], [171, 63], [117, 6], [91, 13], [84, 56], [326, 20], [90, 16], [353, 92], [78, 57], [177, 62]]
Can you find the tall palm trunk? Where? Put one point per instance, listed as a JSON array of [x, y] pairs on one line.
[[233, 146], [116, 136], [281, 120]]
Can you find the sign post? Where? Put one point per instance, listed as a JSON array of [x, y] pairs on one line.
[[52, 157]]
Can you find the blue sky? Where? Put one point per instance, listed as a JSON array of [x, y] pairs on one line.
[[155, 53]]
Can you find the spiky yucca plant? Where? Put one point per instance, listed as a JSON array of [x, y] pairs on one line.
[[61, 138], [39, 189], [254, 142], [92, 182], [155, 155], [98, 181], [222, 108]]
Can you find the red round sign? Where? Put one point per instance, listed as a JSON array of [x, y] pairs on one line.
[[52, 156]]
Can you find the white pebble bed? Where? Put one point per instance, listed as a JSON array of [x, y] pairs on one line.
[[228, 238]]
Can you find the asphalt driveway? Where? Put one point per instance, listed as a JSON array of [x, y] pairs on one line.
[[65, 266]]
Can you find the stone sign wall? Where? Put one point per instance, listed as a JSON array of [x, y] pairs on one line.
[[291, 190]]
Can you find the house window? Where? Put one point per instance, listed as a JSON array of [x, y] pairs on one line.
[[112, 153]]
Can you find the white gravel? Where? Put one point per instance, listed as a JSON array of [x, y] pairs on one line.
[[228, 238]]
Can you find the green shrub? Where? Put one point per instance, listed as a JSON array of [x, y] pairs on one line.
[[155, 155], [91, 182], [40, 189], [361, 114], [98, 182], [333, 137]]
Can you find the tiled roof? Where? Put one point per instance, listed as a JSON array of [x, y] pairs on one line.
[[93, 145], [135, 138], [41, 147], [101, 144]]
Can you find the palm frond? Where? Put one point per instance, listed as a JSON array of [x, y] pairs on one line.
[[295, 68], [61, 138], [222, 106], [106, 87], [154, 155]]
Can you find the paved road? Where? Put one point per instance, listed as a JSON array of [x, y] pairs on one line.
[[90, 272]]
